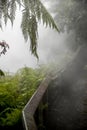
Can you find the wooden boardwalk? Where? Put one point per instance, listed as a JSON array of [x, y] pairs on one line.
[[30, 108]]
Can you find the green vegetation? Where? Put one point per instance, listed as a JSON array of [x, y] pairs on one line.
[[15, 91], [33, 12]]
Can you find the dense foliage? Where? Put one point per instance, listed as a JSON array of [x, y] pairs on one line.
[[15, 91]]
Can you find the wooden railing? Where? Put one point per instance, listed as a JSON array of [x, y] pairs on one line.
[[30, 108]]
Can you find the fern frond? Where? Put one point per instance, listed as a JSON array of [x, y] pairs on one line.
[[25, 25], [46, 17], [5, 12], [0, 19], [33, 33], [33, 12], [12, 10], [2, 5], [29, 30]]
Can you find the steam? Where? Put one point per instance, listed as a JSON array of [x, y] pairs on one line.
[[68, 91], [53, 48]]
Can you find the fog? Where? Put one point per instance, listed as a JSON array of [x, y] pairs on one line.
[[51, 47], [67, 93], [68, 51]]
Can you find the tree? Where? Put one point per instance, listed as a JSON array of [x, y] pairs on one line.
[[33, 11]]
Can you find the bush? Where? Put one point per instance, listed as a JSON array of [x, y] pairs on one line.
[[15, 91]]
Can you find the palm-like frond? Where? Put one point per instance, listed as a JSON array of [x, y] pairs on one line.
[[12, 10], [5, 11], [33, 12], [46, 17]]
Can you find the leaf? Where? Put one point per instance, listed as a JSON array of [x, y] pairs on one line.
[[33, 13]]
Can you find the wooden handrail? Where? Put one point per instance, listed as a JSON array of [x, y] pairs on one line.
[[30, 108]]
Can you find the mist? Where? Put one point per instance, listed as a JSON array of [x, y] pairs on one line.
[[52, 47], [66, 96], [67, 93]]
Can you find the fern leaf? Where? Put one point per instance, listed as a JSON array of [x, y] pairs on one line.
[[46, 17], [12, 10], [24, 25], [33, 12], [5, 12]]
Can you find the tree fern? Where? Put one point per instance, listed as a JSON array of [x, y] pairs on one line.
[[33, 12]]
